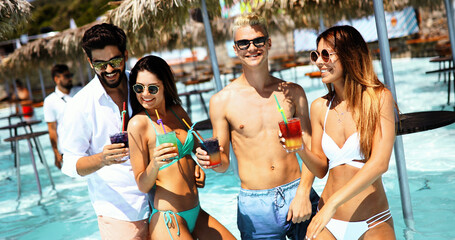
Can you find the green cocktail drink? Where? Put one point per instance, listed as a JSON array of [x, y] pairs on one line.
[[169, 137]]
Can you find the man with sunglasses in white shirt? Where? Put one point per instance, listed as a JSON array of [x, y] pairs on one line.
[[55, 103], [276, 199], [90, 118]]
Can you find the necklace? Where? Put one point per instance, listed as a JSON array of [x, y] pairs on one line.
[[340, 115]]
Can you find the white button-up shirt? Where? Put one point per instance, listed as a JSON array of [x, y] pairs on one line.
[[54, 104], [89, 119]]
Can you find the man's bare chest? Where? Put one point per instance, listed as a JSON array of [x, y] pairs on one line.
[[249, 117]]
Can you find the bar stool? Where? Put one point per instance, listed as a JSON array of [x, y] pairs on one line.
[[27, 125], [9, 117], [195, 92], [27, 137]]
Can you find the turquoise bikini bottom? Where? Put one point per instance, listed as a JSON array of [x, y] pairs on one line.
[[190, 217]]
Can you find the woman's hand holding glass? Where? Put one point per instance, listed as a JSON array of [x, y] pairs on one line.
[[163, 154]]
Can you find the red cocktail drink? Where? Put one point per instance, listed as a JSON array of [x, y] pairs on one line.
[[292, 134]]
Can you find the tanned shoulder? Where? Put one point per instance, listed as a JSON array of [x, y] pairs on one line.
[[221, 98], [297, 89], [137, 123], [319, 107]]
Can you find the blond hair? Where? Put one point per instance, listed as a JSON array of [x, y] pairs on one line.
[[249, 19]]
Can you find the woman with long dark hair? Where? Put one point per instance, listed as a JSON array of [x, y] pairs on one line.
[[168, 177]]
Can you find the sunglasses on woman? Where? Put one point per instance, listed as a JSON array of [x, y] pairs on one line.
[[101, 65], [244, 44], [139, 88], [325, 55]]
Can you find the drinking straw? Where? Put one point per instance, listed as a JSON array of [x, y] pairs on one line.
[[123, 117], [199, 137], [189, 128], [281, 110], [160, 121]]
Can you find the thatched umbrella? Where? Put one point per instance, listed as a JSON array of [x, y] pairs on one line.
[[162, 25], [29, 60], [68, 43], [153, 25], [12, 14], [46, 51], [307, 13], [158, 19], [28, 57], [157, 24]]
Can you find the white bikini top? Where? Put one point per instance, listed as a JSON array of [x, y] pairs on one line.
[[345, 155]]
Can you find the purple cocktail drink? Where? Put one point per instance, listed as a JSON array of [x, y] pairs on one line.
[[121, 137]]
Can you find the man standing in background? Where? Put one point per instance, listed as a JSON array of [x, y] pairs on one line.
[[54, 105]]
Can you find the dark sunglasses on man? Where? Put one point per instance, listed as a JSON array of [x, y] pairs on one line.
[[325, 55], [139, 88], [101, 65], [68, 75], [244, 44]]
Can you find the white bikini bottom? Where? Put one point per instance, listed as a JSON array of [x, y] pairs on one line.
[[343, 230]]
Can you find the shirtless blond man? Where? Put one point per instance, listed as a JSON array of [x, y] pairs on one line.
[[276, 198]]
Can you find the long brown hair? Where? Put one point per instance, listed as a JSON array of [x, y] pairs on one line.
[[163, 72], [362, 87]]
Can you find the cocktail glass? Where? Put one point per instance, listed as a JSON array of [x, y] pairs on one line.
[[212, 147], [121, 137], [169, 137], [292, 134]]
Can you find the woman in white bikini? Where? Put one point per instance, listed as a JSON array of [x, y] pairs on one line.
[[353, 130]]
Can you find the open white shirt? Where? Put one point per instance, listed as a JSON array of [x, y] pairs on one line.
[[89, 119]]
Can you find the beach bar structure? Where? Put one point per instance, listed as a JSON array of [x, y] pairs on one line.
[[137, 28]]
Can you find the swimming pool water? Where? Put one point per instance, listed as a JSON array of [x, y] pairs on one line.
[[66, 213]]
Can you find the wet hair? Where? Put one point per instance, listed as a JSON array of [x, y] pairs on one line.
[[249, 19], [362, 87], [102, 35], [163, 72], [59, 69]]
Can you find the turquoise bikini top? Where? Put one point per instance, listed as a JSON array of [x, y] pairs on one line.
[[184, 149]]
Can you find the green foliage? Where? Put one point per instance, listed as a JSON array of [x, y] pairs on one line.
[[56, 14]]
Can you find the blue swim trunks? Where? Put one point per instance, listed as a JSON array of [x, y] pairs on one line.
[[261, 214]]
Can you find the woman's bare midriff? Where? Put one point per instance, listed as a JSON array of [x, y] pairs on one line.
[[364, 205], [175, 187]]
